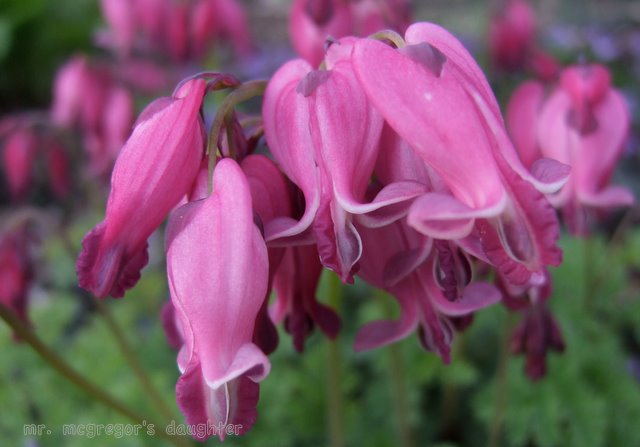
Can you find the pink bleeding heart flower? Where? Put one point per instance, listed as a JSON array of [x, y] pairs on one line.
[[171, 325], [68, 92], [538, 332], [118, 119], [536, 335], [121, 18], [177, 34], [18, 156], [295, 283], [152, 16], [584, 122], [312, 22], [233, 25], [58, 165], [104, 140], [155, 169], [271, 199], [213, 249], [371, 16], [431, 282], [213, 20], [511, 35], [16, 269], [328, 157], [436, 98], [512, 45]]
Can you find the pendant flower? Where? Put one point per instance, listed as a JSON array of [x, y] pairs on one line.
[[213, 247], [155, 169], [583, 122], [328, 157], [435, 97]]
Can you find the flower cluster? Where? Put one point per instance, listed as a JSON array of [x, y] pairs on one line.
[[391, 163]]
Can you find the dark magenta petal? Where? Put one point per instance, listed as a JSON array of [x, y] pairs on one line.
[[108, 269]]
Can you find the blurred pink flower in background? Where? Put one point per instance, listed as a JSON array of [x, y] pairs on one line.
[[180, 30], [19, 152], [88, 98], [512, 41], [16, 268], [537, 332], [312, 23], [582, 121]]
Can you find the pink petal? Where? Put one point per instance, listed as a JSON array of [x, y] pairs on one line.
[[476, 296], [613, 196], [522, 115], [384, 332], [154, 171], [444, 217], [291, 144], [463, 64], [308, 38], [216, 304], [435, 116]]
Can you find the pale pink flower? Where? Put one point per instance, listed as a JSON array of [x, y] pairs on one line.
[[583, 122], [155, 169], [217, 266]]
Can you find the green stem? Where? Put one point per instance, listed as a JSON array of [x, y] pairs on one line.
[[398, 381], [591, 279], [335, 404], [450, 392], [62, 367], [391, 36], [246, 91], [132, 360], [500, 403]]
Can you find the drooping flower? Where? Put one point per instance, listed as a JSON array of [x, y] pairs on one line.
[[583, 122], [58, 165], [431, 280], [435, 97], [16, 269], [296, 305], [511, 35], [512, 45], [328, 157], [119, 15], [538, 332], [18, 155], [313, 23], [88, 98], [536, 335], [271, 199], [217, 266], [183, 30], [155, 169]]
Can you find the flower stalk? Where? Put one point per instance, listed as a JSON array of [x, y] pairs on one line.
[[335, 401]]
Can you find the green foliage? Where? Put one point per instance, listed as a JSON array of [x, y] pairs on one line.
[[36, 36], [589, 397]]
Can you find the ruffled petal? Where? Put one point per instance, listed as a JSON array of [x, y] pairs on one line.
[[444, 217], [383, 332]]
